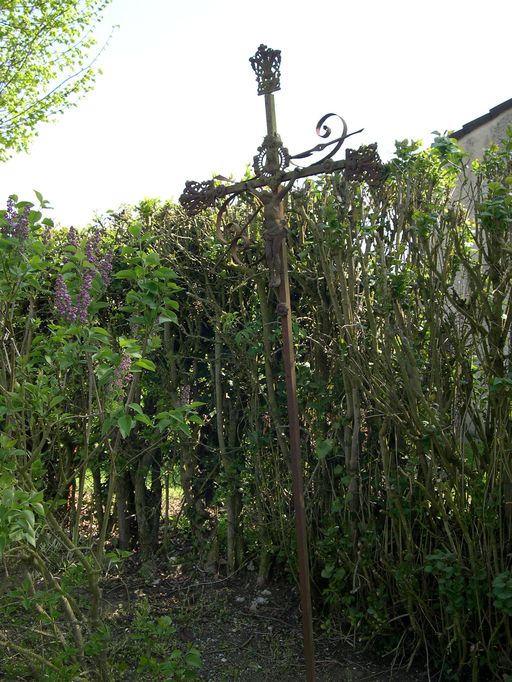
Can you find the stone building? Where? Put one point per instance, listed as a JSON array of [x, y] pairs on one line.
[[477, 135]]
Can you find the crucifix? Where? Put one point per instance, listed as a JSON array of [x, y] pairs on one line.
[[271, 183]]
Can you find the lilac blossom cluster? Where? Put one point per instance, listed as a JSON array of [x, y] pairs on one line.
[[84, 296], [103, 266], [91, 247], [47, 234], [63, 302], [17, 221], [72, 241], [72, 237], [122, 375]]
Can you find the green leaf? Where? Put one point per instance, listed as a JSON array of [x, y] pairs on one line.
[[167, 317], [152, 258], [145, 364], [39, 508], [193, 658], [125, 274], [165, 273], [100, 331], [323, 448], [135, 229], [125, 424], [144, 419], [28, 515], [327, 571]]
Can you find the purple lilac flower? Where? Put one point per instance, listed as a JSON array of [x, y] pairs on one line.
[[72, 237], [122, 375], [11, 215], [17, 223], [105, 267], [63, 301], [21, 231], [72, 241], [47, 234], [91, 246], [84, 296]]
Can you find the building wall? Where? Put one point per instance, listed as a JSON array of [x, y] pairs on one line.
[[476, 139], [477, 136]]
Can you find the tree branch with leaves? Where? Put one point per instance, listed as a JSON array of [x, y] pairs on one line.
[[47, 62]]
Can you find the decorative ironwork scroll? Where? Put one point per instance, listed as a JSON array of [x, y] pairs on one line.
[[364, 164], [198, 196], [325, 131]]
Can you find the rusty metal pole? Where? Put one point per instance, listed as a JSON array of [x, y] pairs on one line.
[[296, 465], [270, 166], [293, 415]]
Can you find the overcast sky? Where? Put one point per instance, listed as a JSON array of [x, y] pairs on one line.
[[178, 101]]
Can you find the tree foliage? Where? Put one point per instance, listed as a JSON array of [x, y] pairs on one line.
[[45, 63], [111, 384]]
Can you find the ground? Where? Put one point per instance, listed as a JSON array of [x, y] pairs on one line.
[[245, 634]]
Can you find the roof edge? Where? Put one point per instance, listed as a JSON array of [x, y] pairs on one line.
[[477, 122]]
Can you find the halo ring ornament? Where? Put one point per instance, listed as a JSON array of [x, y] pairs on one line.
[[272, 157]]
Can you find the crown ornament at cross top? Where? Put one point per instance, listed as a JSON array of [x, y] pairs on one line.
[[267, 67]]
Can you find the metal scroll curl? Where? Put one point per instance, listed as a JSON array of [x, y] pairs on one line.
[[324, 131]]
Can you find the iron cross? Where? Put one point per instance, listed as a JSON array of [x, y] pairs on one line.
[[271, 183]]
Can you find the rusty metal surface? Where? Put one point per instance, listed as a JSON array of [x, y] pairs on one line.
[[270, 184], [272, 157], [325, 131], [266, 64], [197, 196], [364, 164]]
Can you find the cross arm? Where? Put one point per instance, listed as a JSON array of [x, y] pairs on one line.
[[360, 164]]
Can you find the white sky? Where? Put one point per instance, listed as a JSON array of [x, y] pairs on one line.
[[177, 100]]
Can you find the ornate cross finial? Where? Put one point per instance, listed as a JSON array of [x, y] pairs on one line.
[[267, 67]]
